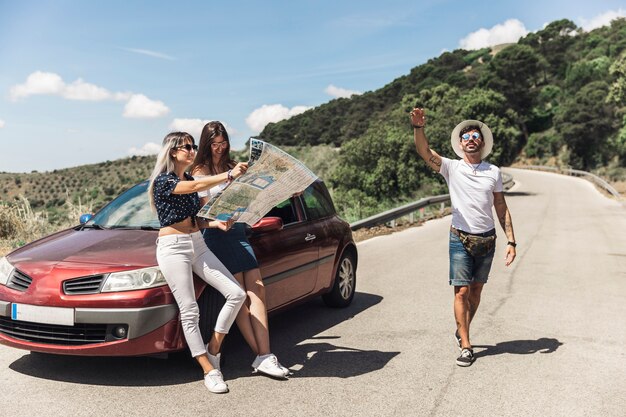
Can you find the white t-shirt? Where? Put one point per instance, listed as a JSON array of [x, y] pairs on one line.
[[213, 191], [471, 193]]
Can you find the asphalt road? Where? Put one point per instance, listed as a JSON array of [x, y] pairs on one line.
[[549, 335]]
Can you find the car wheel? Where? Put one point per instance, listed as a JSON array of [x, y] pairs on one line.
[[344, 287], [210, 303]]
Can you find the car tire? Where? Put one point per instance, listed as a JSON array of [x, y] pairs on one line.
[[210, 303], [343, 290]]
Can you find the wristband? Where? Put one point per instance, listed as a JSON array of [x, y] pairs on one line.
[[230, 175], [511, 244], [417, 127]]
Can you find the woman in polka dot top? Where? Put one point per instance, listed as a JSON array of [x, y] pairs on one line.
[[181, 250]]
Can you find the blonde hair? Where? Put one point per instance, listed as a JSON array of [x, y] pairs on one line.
[[165, 161]]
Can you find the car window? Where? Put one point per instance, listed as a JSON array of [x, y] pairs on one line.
[[130, 209], [317, 202], [285, 211]]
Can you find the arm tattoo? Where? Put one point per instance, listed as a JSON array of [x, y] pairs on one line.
[[434, 161], [502, 219], [508, 227]]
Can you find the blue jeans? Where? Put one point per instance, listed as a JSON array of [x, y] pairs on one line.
[[466, 269]]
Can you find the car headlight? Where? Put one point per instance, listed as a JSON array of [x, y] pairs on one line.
[[6, 269], [139, 279]]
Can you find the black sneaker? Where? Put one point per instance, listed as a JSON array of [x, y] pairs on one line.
[[466, 358], [457, 338]]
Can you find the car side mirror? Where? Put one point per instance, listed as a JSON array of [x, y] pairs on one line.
[[268, 224], [85, 218]]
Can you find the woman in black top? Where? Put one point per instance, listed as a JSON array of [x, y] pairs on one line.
[[235, 252], [181, 250]]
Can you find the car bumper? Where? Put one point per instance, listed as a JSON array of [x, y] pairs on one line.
[[97, 331]]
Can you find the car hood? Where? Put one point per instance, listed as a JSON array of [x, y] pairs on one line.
[[87, 251]]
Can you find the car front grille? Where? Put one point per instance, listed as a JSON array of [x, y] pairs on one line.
[[19, 281], [79, 334], [84, 285]]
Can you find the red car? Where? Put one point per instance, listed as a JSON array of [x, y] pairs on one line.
[[96, 289]]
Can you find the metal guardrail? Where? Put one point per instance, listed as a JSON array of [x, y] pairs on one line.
[[395, 213], [577, 173]]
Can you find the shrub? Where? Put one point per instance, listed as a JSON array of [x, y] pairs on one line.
[[10, 223]]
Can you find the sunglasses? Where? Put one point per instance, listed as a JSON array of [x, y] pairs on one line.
[[468, 136], [187, 147], [222, 144]]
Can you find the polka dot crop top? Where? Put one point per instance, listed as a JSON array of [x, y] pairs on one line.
[[173, 208]]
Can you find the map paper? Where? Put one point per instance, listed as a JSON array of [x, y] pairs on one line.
[[272, 177]]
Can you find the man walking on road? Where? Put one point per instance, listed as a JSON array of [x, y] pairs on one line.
[[475, 186]]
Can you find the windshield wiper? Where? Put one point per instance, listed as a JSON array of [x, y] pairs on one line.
[[90, 226], [122, 227]]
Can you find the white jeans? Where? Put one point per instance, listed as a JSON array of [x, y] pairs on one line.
[[180, 254]]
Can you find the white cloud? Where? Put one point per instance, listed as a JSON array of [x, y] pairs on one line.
[[149, 148], [603, 19], [150, 53], [141, 107], [1, 123], [49, 83], [80, 90], [38, 83], [270, 113], [194, 127], [338, 92], [191, 126], [507, 32]]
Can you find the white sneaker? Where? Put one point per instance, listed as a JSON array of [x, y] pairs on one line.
[[214, 381], [214, 360], [285, 370], [268, 365]]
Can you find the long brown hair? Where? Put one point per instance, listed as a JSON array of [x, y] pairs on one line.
[[204, 157]]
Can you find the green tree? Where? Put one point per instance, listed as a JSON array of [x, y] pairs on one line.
[[493, 109], [585, 122], [514, 73], [584, 72], [554, 43], [617, 92]]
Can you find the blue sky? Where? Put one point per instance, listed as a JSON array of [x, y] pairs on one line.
[[84, 82]]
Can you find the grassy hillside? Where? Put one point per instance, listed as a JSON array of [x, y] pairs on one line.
[[90, 185], [35, 204], [557, 96], [543, 78]]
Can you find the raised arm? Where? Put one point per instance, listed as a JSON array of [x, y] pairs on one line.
[[201, 184], [504, 216], [418, 121]]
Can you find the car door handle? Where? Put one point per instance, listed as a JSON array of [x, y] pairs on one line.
[[309, 237]]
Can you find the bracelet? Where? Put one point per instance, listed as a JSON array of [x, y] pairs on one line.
[[417, 127], [230, 175], [511, 244]]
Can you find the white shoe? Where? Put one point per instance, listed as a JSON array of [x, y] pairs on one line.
[[214, 381], [214, 360], [268, 365], [285, 370]]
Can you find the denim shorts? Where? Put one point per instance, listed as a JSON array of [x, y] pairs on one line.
[[466, 269]]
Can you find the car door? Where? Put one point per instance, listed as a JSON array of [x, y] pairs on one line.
[[287, 257], [321, 221]]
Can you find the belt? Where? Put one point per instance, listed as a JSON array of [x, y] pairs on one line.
[[485, 234]]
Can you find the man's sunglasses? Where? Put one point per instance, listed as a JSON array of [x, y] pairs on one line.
[[468, 136], [187, 147]]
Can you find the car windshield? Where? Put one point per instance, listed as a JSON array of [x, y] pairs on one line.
[[130, 210]]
